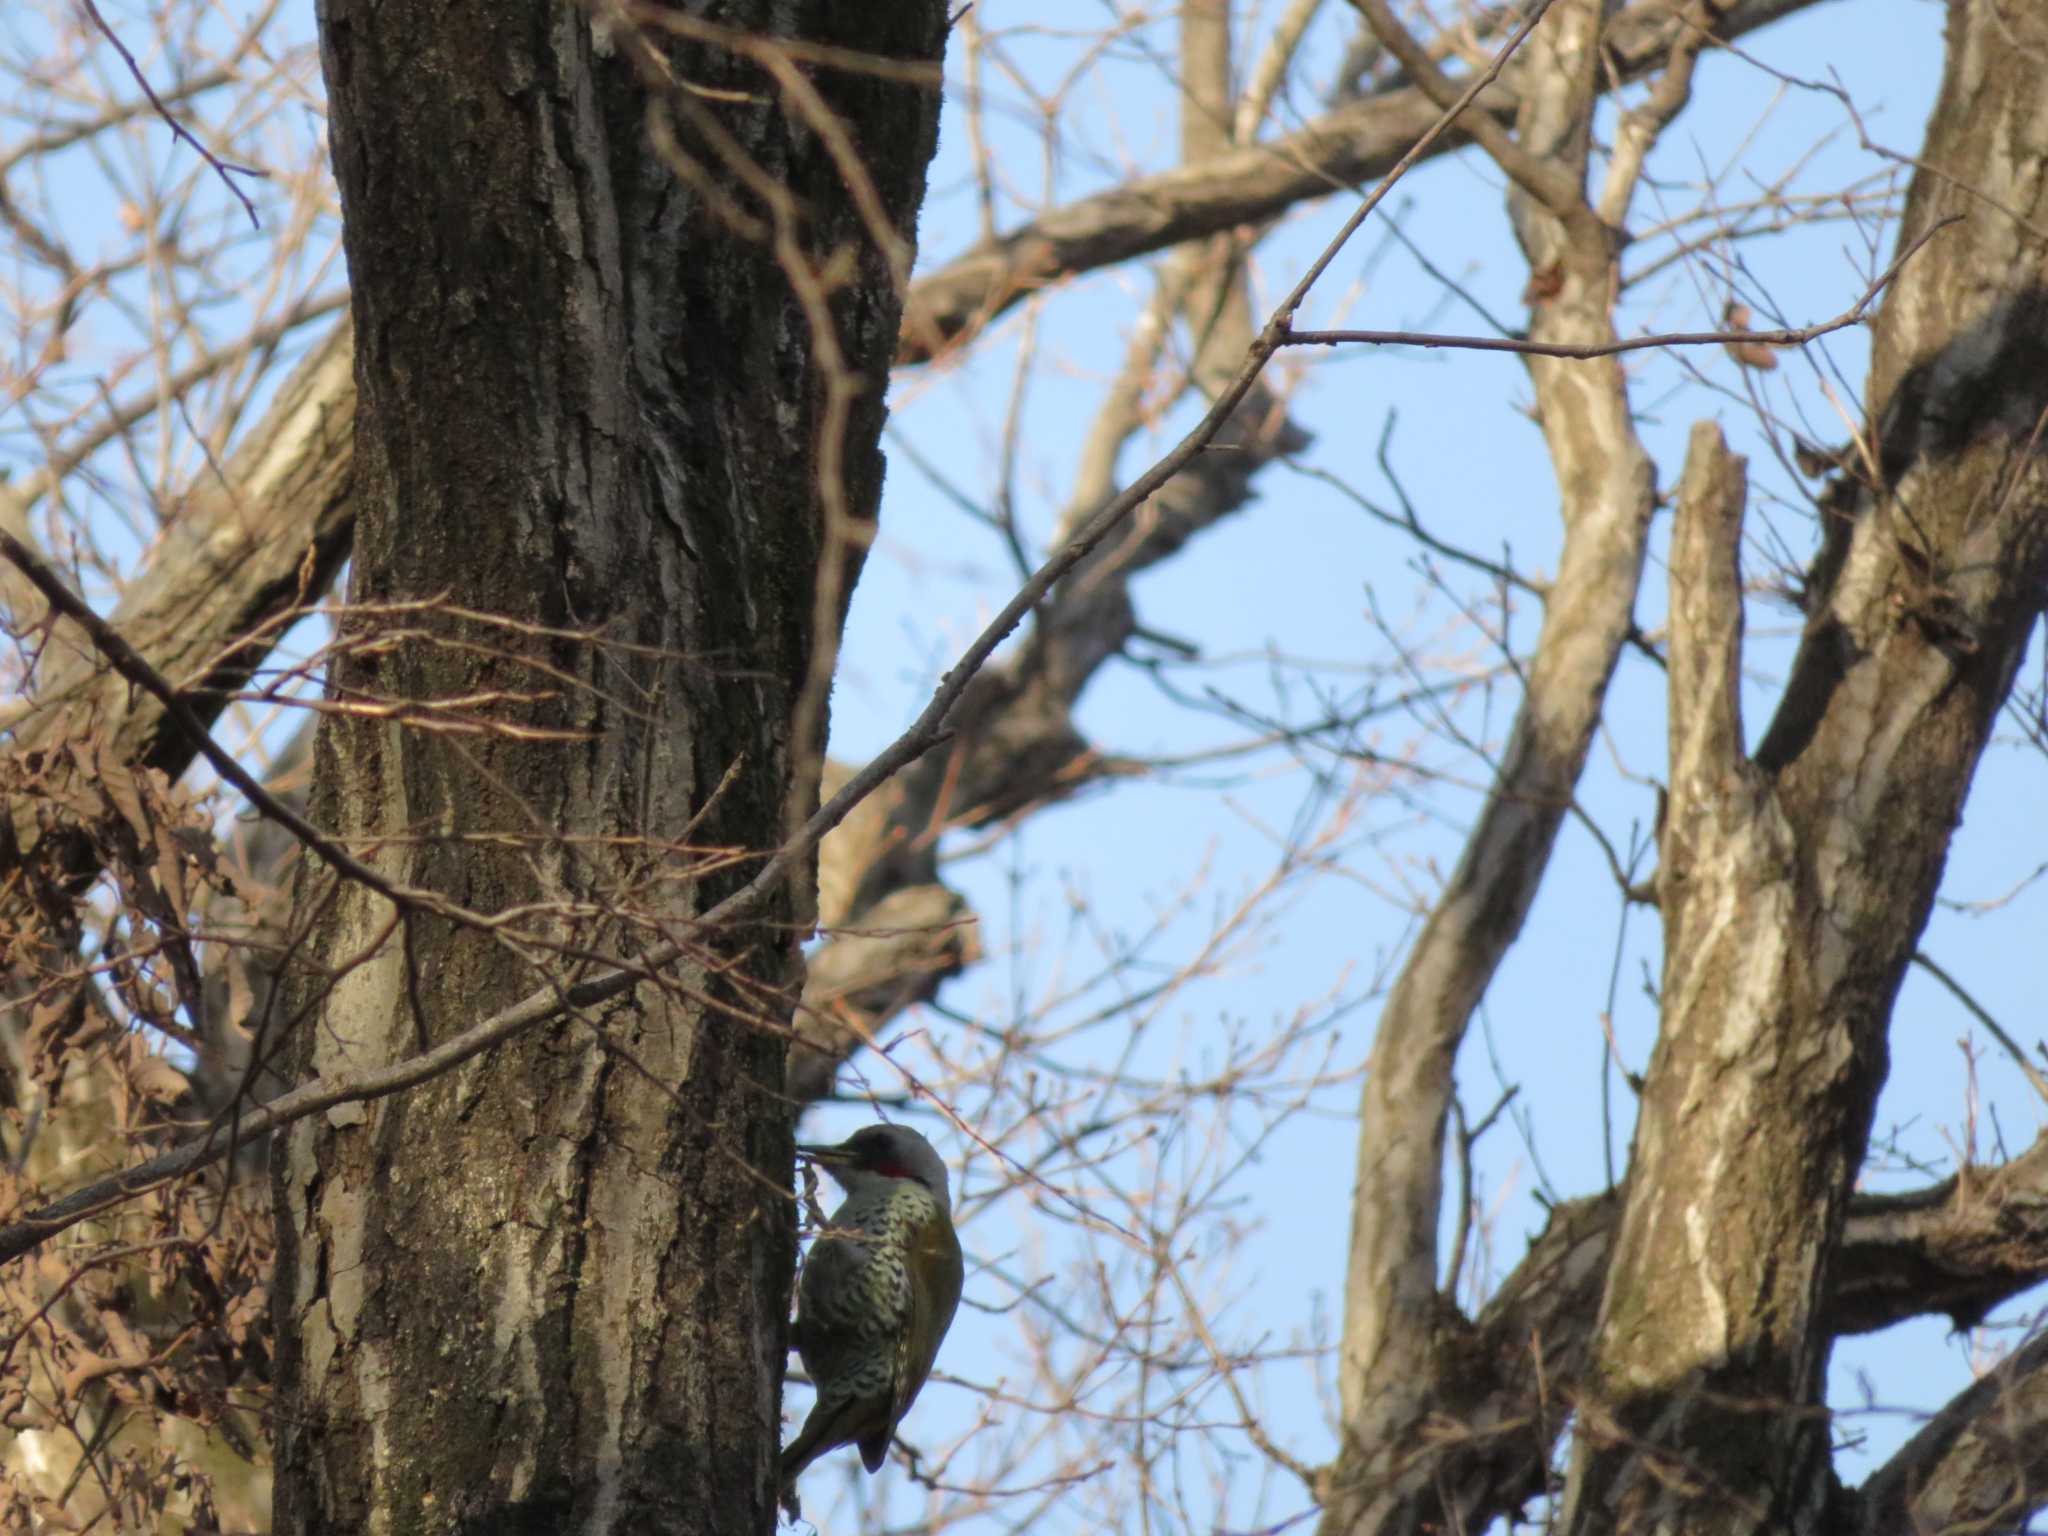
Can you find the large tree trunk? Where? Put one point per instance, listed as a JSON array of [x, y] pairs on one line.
[[622, 333], [1794, 884], [1794, 888]]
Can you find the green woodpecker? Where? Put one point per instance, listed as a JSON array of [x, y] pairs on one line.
[[877, 1294]]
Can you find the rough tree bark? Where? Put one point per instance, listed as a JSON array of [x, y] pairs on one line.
[[622, 330], [1794, 888], [278, 526], [1795, 882]]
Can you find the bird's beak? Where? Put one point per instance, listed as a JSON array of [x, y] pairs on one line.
[[826, 1155]]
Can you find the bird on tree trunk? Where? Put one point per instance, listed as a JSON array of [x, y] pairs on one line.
[[877, 1294]]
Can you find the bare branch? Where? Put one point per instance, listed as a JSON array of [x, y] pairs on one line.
[[226, 172], [130, 663], [1855, 314], [1544, 180], [1982, 1015], [927, 731], [1980, 1464], [1505, 1385], [1344, 148], [1795, 889], [1607, 490]]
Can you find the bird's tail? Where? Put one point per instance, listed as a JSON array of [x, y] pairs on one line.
[[825, 1428]]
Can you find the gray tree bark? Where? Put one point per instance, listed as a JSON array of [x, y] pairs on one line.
[[243, 553], [622, 330], [1795, 882], [1794, 886]]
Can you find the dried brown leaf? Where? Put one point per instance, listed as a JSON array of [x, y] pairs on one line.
[[157, 1081]]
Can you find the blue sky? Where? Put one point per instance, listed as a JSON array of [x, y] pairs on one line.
[[1302, 573], [1146, 871]]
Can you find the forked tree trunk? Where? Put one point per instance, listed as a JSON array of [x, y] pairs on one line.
[[1795, 883], [599, 281]]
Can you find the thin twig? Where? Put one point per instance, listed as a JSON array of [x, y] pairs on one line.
[[1854, 315], [550, 1001], [221, 168], [1977, 1010], [131, 664]]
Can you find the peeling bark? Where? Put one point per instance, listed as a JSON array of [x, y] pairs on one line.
[[1795, 885]]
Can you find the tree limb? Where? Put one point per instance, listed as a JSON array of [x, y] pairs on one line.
[[1345, 147], [1979, 1465], [1397, 1328], [1795, 886], [1705, 671], [1504, 1385]]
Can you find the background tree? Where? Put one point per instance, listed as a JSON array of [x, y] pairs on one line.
[[1115, 1103]]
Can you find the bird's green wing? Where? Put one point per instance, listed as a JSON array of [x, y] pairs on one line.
[[936, 1275]]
